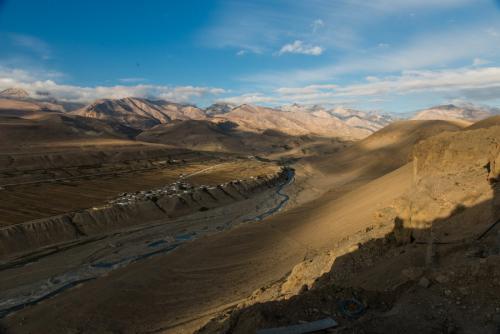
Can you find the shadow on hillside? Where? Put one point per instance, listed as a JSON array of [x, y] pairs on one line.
[[394, 278], [384, 150], [228, 137]]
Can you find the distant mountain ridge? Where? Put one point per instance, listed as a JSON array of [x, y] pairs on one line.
[[294, 122], [21, 100], [464, 111], [14, 93], [371, 121], [139, 113], [219, 108], [295, 119]]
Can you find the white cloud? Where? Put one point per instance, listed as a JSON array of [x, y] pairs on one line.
[[42, 84], [249, 98], [32, 43], [432, 50], [492, 32], [311, 89], [371, 78], [479, 62], [301, 48], [395, 5], [471, 83], [131, 80], [317, 24], [241, 52], [258, 25], [437, 81]]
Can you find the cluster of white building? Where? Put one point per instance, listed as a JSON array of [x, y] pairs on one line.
[[171, 189]]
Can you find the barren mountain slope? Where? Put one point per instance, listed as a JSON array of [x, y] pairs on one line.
[[13, 106], [254, 118], [197, 135], [180, 111], [365, 120], [37, 128], [466, 112], [226, 136], [486, 123], [138, 113], [214, 273], [382, 152], [370, 120], [14, 93], [219, 108], [429, 261], [376, 159], [18, 100], [362, 123]]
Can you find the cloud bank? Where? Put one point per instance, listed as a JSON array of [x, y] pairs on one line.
[[472, 83], [301, 48], [43, 84]]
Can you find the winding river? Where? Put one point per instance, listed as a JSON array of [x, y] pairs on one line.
[[125, 247]]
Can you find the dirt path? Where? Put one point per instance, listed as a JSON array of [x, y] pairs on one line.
[[203, 170]]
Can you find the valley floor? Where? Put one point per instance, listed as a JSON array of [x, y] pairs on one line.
[[337, 228], [180, 291]]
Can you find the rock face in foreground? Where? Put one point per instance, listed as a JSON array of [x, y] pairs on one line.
[[98, 220], [455, 178]]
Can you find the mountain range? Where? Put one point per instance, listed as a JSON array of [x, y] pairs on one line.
[[462, 111], [131, 116]]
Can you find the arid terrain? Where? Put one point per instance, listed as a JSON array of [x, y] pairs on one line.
[[146, 216]]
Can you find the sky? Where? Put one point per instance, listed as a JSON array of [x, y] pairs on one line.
[[390, 55]]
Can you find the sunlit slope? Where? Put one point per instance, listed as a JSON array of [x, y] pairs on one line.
[[139, 113], [361, 179], [372, 157], [295, 123], [486, 123]]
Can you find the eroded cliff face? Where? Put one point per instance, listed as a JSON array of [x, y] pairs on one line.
[[138, 210], [455, 179], [455, 196]]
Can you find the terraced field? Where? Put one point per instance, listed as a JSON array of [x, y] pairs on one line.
[[30, 201]]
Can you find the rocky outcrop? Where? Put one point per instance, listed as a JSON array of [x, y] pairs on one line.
[[493, 165], [99, 220], [455, 179]]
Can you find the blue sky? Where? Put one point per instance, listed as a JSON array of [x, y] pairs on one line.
[[388, 55]]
